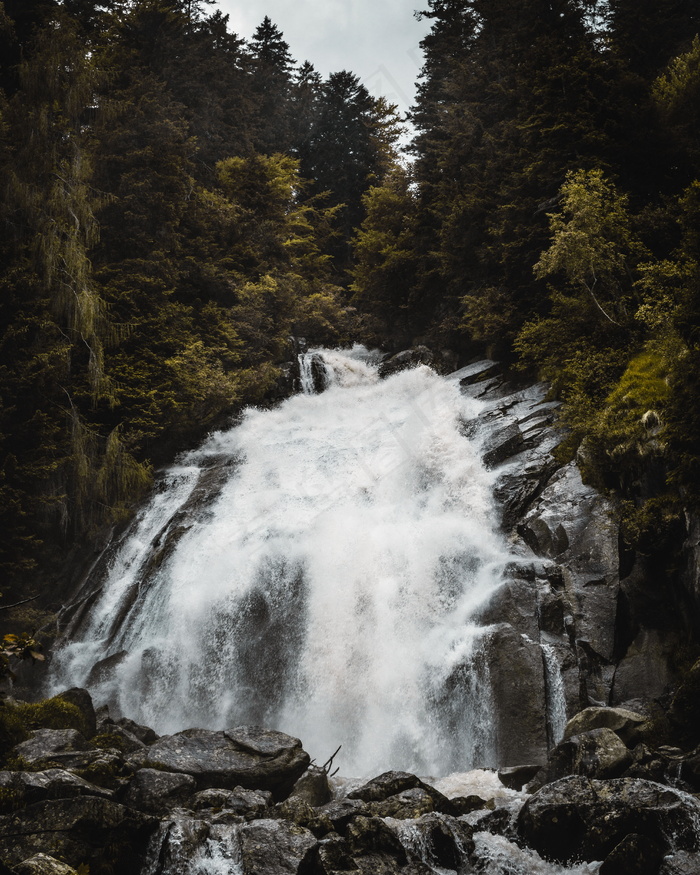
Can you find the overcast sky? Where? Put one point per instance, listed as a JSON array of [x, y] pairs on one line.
[[375, 39]]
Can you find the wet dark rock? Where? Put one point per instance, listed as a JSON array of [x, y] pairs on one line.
[[313, 787], [407, 358], [447, 841], [579, 818], [144, 734], [244, 803], [112, 735], [42, 864], [178, 840], [515, 777], [300, 812], [497, 822], [407, 805], [595, 754], [102, 670], [157, 792], [254, 758], [466, 804], [342, 811], [275, 847], [85, 829], [477, 372], [518, 689], [333, 856], [372, 834], [45, 744], [26, 788], [502, 444], [635, 855], [625, 724], [385, 785]]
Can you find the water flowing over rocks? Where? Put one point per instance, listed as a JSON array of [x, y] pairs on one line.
[[398, 562]]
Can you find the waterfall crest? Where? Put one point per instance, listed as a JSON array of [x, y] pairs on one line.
[[316, 569]]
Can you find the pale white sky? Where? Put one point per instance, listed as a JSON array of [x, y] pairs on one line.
[[375, 39]]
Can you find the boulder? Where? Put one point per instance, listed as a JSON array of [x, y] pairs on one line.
[[300, 812], [42, 864], [624, 723], [577, 818], [44, 744], [275, 847], [313, 787], [443, 840], [250, 757], [83, 702], [407, 358], [515, 777], [502, 443], [393, 787], [342, 811], [635, 855], [406, 805], [460, 805], [595, 754], [113, 736], [86, 829], [144, 734], [333, 856], [367, 834], [25, 788], [244, 803], [385, 785], [156, 792]]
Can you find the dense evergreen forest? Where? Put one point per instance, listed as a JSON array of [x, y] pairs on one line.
[[178, 203]]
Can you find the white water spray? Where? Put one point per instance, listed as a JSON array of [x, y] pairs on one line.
[[324, 584]]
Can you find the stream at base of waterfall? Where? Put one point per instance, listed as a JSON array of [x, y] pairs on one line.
[[316, 568]]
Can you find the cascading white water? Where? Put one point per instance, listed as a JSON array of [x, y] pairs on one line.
[[325, 584]]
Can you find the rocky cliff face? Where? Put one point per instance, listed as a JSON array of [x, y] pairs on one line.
[[580, 622]]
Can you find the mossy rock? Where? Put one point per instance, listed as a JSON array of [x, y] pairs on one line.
[[54, 713]]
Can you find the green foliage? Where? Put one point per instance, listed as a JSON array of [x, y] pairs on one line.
[[592, 243], [54, 713]]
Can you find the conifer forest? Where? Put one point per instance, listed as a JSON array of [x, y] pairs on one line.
[[179, 204]]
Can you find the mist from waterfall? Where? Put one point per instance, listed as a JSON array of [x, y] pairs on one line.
[[315, 569]]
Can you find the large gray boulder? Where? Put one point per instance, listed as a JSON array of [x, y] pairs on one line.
[[275, 847], [156, 792], [313, 787], [248, 756], [85, 829], [45, 744], [624, 723], [582, 819], [25, 788], [243, 803], [595, 754]]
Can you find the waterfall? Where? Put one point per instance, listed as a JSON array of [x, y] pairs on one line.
[[315, 568]]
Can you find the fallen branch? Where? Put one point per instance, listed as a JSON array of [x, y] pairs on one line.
[[17, 604]]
